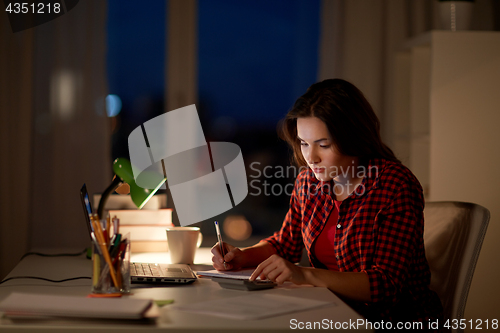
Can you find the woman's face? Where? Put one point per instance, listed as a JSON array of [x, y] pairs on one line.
[[320, 153]]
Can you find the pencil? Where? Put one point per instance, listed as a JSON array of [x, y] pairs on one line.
[[97, 270]]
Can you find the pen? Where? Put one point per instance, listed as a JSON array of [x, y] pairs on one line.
[[108, 229], [116, 225], [219, 238]]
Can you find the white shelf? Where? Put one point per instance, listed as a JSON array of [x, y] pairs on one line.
[[446, 115], [440, 80]]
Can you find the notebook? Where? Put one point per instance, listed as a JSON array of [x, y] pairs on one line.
[[151, 273], [23, 305]]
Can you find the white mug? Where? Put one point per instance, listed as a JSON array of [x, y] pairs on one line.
[[182, 244]]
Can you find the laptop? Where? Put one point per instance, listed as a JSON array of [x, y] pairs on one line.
[[150, 273]]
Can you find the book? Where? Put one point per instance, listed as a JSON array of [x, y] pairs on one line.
[[124, 201], [148, 246], [143, 217], [145, 232], [39, 305], [147, 229]]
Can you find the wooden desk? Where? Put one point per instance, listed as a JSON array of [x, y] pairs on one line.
[[170, 319]]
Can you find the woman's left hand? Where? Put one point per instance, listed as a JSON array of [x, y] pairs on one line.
[[278, 270]]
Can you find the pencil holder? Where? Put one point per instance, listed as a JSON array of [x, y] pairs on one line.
[[111, 270]]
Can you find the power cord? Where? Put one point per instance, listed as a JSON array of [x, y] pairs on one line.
[[49, 255], [44, 279]]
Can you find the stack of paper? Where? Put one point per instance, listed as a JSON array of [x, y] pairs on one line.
[[36, 305]]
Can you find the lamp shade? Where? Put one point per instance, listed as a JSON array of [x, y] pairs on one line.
[[123, 171]]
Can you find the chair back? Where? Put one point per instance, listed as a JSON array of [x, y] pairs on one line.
[[453, 235]]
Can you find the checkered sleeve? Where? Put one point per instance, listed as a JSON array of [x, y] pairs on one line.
[[398, 228], [288, 241]]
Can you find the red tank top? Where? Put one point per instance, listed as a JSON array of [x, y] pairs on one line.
[[323, 247]]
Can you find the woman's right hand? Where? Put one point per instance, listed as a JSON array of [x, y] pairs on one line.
[[233, 257]]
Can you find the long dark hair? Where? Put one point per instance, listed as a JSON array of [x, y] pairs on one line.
[[350, 119]]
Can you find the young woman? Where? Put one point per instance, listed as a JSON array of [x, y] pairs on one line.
[[355, 208]]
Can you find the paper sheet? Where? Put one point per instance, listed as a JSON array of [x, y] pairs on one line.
[[256, 306]]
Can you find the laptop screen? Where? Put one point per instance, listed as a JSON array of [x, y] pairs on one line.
[[87, 207]]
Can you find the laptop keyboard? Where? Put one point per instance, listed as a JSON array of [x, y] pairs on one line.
[[153, 270], [144, 269], [160, 273]]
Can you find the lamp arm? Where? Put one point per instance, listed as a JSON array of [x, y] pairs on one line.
[[104, 197]]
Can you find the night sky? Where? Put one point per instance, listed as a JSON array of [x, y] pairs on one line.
[[255, 58]]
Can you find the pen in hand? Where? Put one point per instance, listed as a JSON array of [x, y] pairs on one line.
[[219, 239]]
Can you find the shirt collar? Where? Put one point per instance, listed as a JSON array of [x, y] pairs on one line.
[[371, 178]]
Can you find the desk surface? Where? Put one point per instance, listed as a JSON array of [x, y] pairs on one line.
[[202, 290]]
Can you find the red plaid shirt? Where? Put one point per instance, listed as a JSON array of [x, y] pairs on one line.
[[380, 233]]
